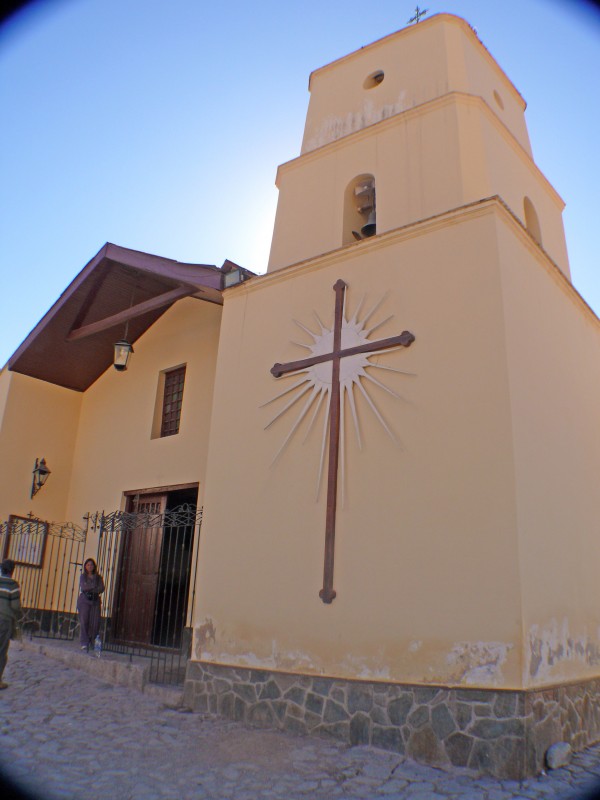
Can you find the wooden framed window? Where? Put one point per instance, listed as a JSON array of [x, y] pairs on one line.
[[172, 400]]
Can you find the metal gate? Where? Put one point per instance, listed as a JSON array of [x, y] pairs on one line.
[[48, 559], [149, 562]]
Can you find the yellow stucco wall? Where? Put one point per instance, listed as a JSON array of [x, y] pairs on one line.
[[99, 444], [467, 555], [553, 350], [37, 420], [115, 451], [427, 569]]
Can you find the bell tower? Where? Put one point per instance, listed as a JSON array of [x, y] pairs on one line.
[[417, 124], [416, 445]]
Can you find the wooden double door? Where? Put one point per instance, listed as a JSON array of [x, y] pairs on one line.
[[154, 571]]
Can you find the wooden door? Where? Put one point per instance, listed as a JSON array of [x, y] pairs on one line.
[[139, 571]]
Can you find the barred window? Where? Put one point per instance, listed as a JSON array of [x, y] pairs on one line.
[[172, 399]]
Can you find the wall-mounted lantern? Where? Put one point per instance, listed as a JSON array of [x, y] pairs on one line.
[[232, 274], [40, 475], [231, 278], [122, 352]]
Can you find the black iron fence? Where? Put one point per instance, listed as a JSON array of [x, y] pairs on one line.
[[48, 558], [148, 562]]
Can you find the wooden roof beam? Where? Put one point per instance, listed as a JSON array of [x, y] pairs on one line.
[[165, 299]]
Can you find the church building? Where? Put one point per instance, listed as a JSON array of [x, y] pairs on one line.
[[392, 433]]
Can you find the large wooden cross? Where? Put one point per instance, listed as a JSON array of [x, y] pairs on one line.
[[327, 593]]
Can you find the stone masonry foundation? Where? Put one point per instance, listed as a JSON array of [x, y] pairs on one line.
[[503, 733]]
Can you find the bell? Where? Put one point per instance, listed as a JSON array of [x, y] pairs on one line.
[[370, 227]]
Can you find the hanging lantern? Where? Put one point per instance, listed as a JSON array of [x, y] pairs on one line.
[[122, 352]]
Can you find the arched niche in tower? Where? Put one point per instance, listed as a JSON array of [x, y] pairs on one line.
[[532, 222], [359, 209]]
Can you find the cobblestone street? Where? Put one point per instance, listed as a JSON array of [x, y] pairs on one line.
[[67, 734]]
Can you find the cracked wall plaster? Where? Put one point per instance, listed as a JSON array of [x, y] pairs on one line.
[[552, 646], [478, 662]]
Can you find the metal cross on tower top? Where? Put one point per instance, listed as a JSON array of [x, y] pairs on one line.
[[417, 15], [405, 339]]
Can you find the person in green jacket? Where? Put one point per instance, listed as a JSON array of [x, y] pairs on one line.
[[10, 611]]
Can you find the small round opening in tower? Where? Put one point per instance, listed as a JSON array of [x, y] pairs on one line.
[[374, 80], [498, 100]]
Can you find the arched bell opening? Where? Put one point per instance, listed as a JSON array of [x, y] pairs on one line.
[[359, 209]]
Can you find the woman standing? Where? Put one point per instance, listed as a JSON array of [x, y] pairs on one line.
[[91, 587]]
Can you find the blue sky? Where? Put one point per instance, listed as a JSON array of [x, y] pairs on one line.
[[159, 126]]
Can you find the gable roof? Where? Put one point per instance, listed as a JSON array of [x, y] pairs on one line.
[[72, 345]]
